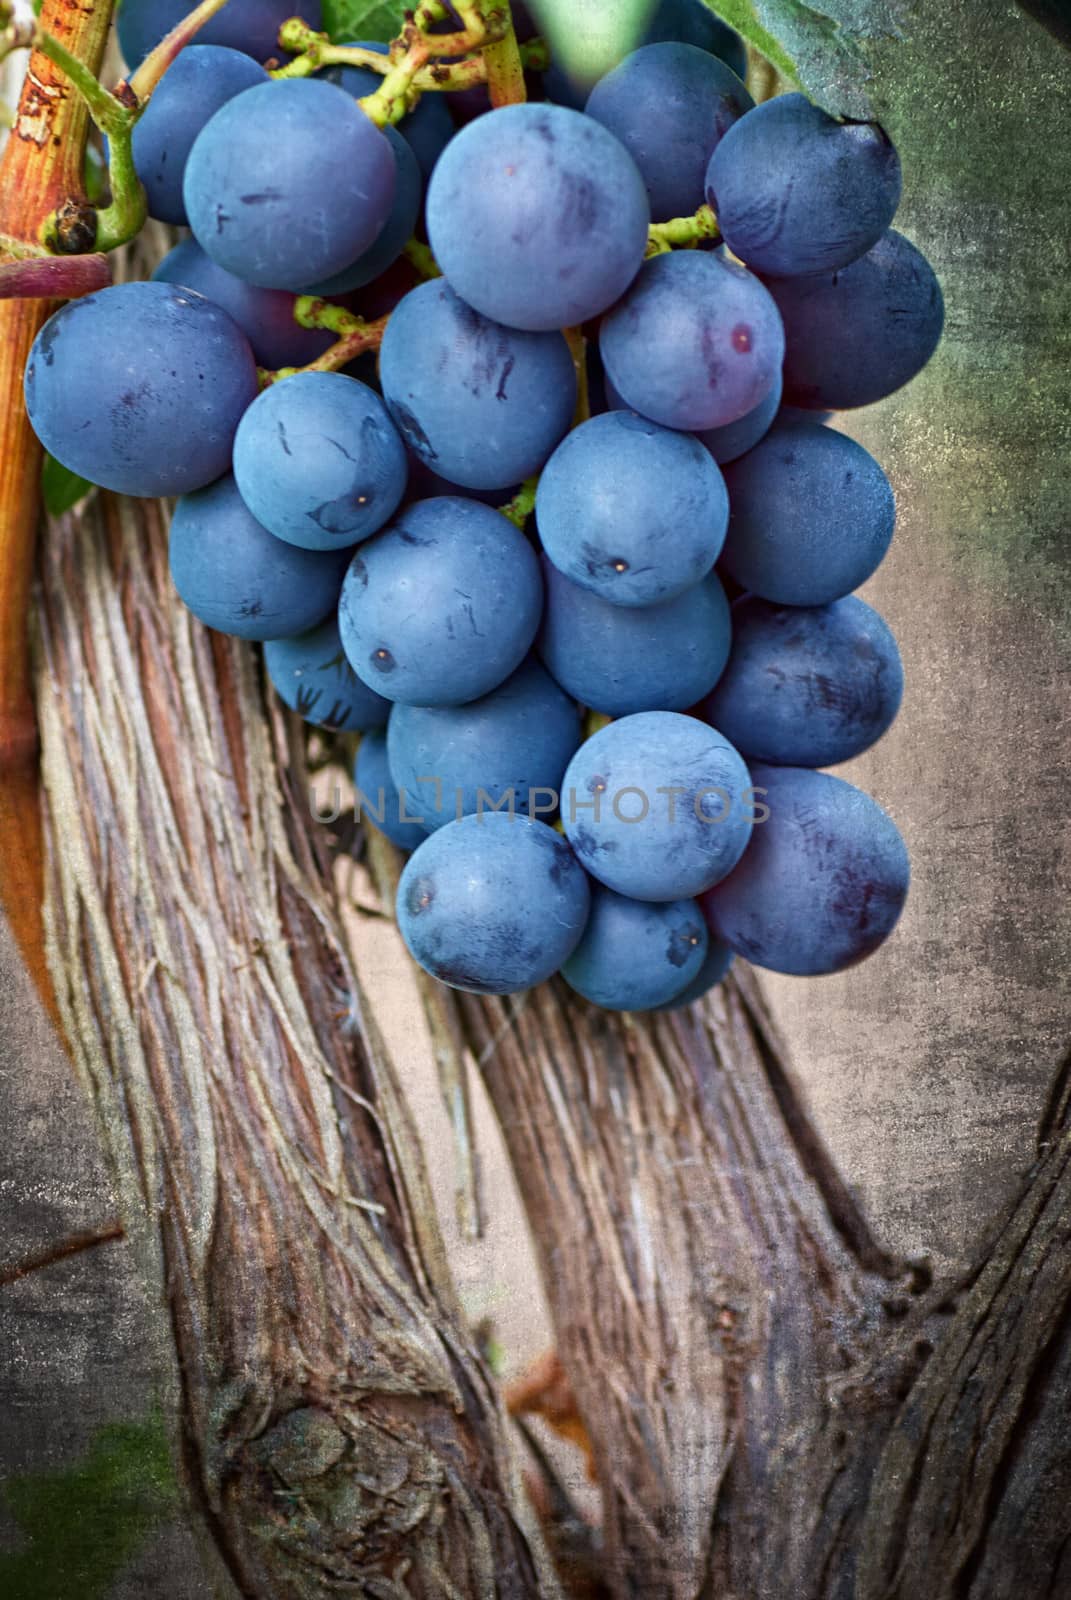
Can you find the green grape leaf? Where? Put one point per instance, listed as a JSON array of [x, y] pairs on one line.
[[820, 48], [60, 488], [81, 1525], [363, 19]]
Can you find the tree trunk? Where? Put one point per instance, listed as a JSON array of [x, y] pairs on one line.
[[338, 1428]]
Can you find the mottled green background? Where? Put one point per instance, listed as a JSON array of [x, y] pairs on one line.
[[928, 1065]]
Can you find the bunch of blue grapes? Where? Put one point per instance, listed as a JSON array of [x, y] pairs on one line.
[[575, 557]]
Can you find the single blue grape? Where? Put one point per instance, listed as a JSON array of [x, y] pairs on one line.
[[319, 462], [795, 191], [265, 316], [288, 183], [632, 511], [140, 388], [251, 26], [696, 342], [378, 798], [855, 336], [719, 958], [237, 577], [657, 806], [311, 675], [822, 883], [443, 605], [635, 956], [493, 904], [812, 515], [807, 686], [427, 129], [395, 233], [537, 216], [200, 80], [453, 760], [735, 439], [620, 659], [670, 105], [481, 404]]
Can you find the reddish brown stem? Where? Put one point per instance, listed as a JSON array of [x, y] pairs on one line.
[[369, 336], [41, 167], [62, 277]]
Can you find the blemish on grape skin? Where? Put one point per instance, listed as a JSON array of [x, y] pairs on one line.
[[741, 338], [420, 896], [382, 660]]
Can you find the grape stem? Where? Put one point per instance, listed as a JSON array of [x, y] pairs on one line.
[[46, 276], [317, 51], [109, 113], [419, 255], [682, 232], [505, 72], [355, 336], [418, 61], [415, 49], [520, 508]]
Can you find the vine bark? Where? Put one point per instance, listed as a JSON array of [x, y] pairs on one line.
[[338, 1427]]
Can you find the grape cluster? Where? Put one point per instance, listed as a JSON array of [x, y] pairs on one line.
[[575, 556]]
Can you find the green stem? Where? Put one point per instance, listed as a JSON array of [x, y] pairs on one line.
[[393, 98], [312, 312], [322, 53], [505, 74], [520, 508], [124, 217], [109, 114], [355, 337], [419, 255], [390, 102], [680, 232]]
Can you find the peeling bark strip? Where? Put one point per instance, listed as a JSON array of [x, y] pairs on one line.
[[339, 1430]]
